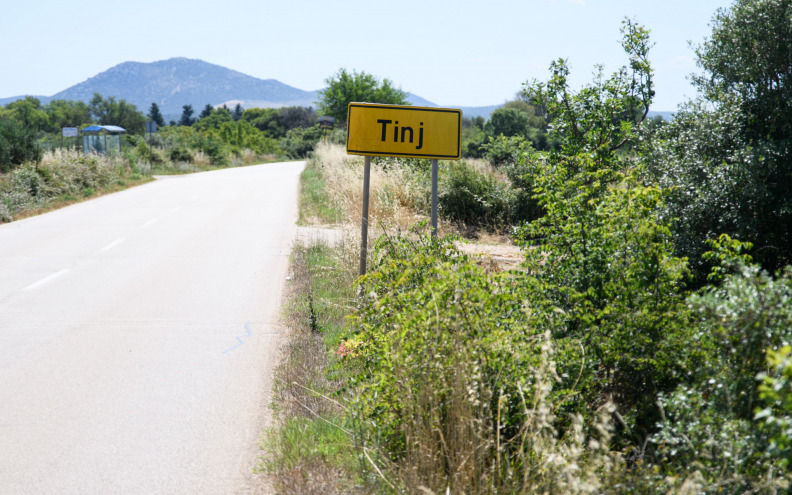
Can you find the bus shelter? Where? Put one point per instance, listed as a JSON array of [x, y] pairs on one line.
[[102, 139]]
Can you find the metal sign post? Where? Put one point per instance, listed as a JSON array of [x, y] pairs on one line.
[[151, 128], [434, 198], [401, 131], [365, 214]]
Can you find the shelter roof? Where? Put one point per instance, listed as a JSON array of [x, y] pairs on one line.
[[101, 129]]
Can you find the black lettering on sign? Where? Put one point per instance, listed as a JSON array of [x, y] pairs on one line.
[[384, 126], [404, 130]]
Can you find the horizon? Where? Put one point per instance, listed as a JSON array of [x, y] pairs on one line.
[[446, 52]]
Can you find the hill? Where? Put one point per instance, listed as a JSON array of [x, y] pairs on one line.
[[176, 82]]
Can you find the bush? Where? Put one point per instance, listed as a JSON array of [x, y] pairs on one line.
[[456, 385], [474, 197], [17, 145], [300, 141], [506, 150]]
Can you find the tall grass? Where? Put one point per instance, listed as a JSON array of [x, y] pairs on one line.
[[472, 193], [398, 193], [62, 177]]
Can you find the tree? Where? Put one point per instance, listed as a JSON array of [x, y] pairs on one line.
[[600, 260], [726, 158], [749, 55], [17, 144], [237, 113], [214, 120], [28, 112], [154, 115], [187, 116], [207, 111], [345, 87], [293, 117], [508, 122], [108, 111], [67, 113], [265, 119]]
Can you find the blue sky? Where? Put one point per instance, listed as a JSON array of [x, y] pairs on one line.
[[454, 53]]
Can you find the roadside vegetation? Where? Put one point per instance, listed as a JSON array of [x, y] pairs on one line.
[[40, 170], [643, 346]]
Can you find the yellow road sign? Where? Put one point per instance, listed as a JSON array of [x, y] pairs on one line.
[[396, 130]]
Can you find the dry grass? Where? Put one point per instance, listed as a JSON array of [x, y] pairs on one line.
[[309, 450], [201, 159], [396, 192]]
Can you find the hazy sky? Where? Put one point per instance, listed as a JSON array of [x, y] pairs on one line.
[[453, 53]]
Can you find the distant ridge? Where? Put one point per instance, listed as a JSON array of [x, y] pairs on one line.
[[180, 81]]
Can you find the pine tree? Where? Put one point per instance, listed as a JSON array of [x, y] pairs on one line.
[[207, 111], [187, 116], [237, 113], [155, 116]]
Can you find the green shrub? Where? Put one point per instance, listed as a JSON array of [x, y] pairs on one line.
[[775, 393], [300, 141], [473, 197], [506, 150], [180, 154], [17, 145]]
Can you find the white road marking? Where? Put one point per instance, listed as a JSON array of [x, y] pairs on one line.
[[110, 246], [176, 209], [47, 279], [149, 223]]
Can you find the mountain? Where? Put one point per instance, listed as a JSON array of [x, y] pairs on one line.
[[180, 81], [176, 82]]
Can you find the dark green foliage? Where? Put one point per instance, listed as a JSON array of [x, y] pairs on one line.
[[214, 120], [67, 113], [345, 87], [516, 121], [17, 145], [155, 115], [237, 113], [108, 111], [504, 150], [775, 416], [180, 154], [508, 122], [187, 116], [207, 111], [472, 197], [28, 112], [749, 55], [299, 142], [293, 117], [713, 416], [212, 145], [726, 156], [267, 120], [600, 254]]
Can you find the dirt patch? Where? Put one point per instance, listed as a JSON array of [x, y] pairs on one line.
[[504, 254], [320, 234]]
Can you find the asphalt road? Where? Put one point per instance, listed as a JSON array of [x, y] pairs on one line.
[[138, 334]]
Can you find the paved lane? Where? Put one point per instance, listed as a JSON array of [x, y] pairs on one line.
[[138, 332]]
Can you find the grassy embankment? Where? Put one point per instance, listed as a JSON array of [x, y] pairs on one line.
[[66, 177], [322, 443], [437, 373]]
